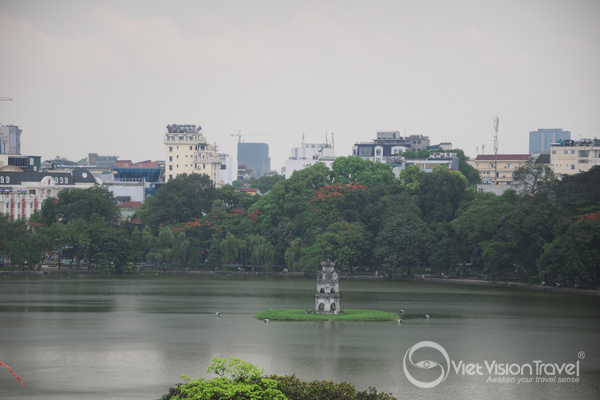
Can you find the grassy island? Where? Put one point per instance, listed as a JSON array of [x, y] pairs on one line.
[[345, 315]]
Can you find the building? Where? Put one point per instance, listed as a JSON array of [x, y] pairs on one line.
[[187, 151], [96, 161], [130, 176], [328, 297], [23, 192], [450, 160], [500, 174], [10, 139], [570, 157], [308, 154], [226, 169], [254, 156], [540, 140], [389, 145]]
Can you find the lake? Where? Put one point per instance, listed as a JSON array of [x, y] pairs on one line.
[[114, 337]]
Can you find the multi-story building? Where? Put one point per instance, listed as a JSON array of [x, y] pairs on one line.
[[97, 161], [23, 192], [540, 140], [389, 145], [254, 156], [570, 157], [500, 173], [10, 139], [187, 151], [226, 168], [308, 154]]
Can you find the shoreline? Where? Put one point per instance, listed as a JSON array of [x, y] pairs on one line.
[[476, 282]]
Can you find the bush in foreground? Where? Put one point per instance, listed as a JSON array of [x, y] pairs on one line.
[[240, 380]]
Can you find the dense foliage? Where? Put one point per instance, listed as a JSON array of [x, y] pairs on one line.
[[357, 214], [240, 380]]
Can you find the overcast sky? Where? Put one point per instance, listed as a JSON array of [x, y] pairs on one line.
[[109, 76]]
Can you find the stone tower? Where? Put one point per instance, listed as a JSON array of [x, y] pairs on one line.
[[328, 297]]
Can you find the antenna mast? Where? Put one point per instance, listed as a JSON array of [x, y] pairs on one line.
[[496, 123]]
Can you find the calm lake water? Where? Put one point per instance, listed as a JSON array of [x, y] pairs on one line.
[[117, 337]]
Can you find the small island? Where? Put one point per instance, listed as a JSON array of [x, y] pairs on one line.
[[327, 304]]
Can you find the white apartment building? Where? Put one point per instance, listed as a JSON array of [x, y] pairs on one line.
[[187, 151], [308, 154], [571, 157]]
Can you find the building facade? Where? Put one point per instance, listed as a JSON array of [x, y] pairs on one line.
[[571, 157], [328, 297], [23, 192], [187, 151], [254, 156], [541, 140], [307, 155], [389, 145], [10, 139], [500, 172]]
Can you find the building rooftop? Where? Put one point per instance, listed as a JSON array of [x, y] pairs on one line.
[[503, 157]]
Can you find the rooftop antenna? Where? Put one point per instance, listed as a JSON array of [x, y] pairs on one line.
[[496, 123], [332, 146], [477, 149], [483, 149], [326, 142], [302, 139]]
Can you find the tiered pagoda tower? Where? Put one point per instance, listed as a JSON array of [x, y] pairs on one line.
[[328, 297]]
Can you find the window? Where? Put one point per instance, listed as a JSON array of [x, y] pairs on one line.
[[566, 151], [322, 290], [170, 158], [321, 306], [508, 166], [61, 180], [170, 168], [553, 151], [191, 147], [333, 307], [572, 151], [170, 176], [177, 156], [66, 180], [378, 152], [170, 148], [1, 179], [176, 165], [8, 179], [572, 166], [332, 290], [48, 192]]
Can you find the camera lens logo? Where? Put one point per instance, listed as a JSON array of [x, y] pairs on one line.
[[426, 364]]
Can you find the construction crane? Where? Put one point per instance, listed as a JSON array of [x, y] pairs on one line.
[[239, 135], [5, 99]]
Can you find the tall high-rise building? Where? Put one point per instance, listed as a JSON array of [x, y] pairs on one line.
[[540, 140], [254, 156], [10, 139], [187, 151]]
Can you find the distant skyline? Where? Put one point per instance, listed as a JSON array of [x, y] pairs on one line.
[[108, 76]]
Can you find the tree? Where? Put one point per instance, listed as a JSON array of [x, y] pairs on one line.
[[442, 191], [293, 254], [356, 170], [180, 200], [531, 177], [230, 247], [401, 243], [72, 204], [266, 183]]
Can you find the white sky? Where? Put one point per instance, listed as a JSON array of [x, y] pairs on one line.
[[109, 76]]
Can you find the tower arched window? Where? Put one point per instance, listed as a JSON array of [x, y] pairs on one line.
[[322, 290], [333, 307], [321, 306]]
